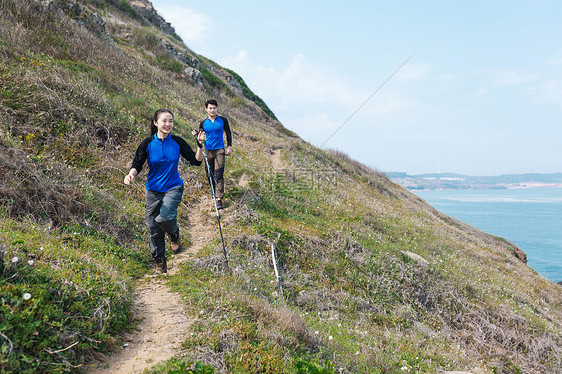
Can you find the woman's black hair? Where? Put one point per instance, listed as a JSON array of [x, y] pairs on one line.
[[153, 128]]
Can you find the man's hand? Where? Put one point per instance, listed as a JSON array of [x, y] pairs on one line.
[[228, 151]]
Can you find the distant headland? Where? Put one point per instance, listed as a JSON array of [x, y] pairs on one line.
[[452, 181]]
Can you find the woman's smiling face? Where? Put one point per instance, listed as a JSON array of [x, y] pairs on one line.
[[164, 123]]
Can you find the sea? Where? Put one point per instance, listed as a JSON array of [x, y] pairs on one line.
[[531, 218]]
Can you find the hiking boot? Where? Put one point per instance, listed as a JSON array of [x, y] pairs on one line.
[[176, 242], [161, 265], [219, 204]]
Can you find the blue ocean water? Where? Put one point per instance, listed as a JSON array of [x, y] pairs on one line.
[[531, 218]]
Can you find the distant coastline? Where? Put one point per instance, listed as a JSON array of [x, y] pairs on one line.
[[452, 181], [534, 185]]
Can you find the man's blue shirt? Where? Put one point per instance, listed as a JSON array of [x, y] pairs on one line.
[[214, 131]]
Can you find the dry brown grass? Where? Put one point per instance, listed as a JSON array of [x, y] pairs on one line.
[[290, 327], [26, 191]]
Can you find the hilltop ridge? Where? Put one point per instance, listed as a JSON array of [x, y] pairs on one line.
[[373, 279]]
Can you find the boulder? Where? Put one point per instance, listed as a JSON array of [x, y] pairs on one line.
[[194, 75], [147, 11], [419, 259], [233, 82]]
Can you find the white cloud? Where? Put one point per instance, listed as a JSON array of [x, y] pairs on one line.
[[513, 78], [550, 91], [296, 83], [242, 57], [449, 77], [315, 102], [387, 104], [556, 60], [508, 78], [543, 87], [192, 26], [277, 22], [413, 71]]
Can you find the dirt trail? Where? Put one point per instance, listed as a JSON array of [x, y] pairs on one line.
[[276, 159], [163, 321]]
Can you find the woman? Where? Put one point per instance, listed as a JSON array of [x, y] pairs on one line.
[[164, 186]]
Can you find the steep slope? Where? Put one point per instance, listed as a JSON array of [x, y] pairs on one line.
[[374, 280]]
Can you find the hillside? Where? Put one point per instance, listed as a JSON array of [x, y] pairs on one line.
[[373, 279]]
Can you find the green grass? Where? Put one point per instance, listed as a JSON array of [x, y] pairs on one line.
[[64, 294]]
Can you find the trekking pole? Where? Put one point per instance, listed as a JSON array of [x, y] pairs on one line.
[[210, 175], [276, 267]]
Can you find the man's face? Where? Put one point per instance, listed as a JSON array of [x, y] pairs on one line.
[[211, 110]]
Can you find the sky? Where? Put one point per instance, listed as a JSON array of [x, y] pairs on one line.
[[469, 87]]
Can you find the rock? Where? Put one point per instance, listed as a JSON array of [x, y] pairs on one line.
[[98, 356], [169, 48], [419, 259], [196, 63], [96, 23], [194, 75], [147, 11], [93, 21], [174, 52], [184, 58], [520, 254], [233, 82], [424, 329]]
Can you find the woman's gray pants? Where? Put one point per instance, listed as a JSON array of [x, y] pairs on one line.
[[161, 210]]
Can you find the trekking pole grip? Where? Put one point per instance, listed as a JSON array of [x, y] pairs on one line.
[[195, 134]]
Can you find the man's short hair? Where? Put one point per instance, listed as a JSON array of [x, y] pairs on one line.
[[211, 102]]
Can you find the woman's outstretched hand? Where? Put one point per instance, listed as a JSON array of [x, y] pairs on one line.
[[129, 177]]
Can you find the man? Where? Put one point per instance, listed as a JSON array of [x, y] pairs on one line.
[[215, 127]]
